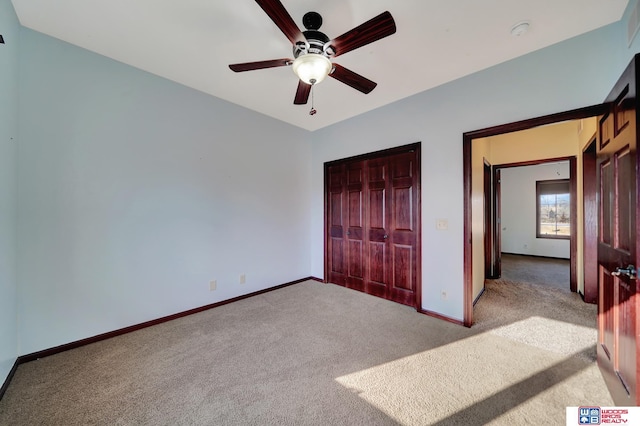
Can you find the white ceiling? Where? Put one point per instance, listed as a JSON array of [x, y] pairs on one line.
[[193, 41]]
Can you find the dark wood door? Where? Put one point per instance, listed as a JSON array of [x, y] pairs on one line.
[[402, 237], [617, 242], [345, 224], [590, 229], [372, 222], [355, 225], [335, 193], [378, 221], [488, 237], [497, 225]]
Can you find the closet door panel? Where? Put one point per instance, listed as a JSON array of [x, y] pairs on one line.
[[377, 255], [403, 235], [377, 227], [402, 206], [402, 265], [355, 225], [335, 183]]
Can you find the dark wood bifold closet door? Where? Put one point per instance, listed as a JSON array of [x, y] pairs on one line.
[[403, 236], [336, 230], [372, 223], [355, 226], [378, 228]]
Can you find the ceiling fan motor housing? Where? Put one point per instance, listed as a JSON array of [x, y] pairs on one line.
[[317, 42]]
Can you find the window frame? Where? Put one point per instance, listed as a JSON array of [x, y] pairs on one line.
[[539, 193]]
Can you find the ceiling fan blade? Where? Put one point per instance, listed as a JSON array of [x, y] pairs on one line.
[[302, 94], [374, 29], [282, 19], [352, 79], [250, 66]]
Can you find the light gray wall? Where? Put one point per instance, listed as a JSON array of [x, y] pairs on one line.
[[135, 192], [518, 202], [9, 28], [572, 74]]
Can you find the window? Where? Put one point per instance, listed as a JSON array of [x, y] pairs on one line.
[[553, 209]]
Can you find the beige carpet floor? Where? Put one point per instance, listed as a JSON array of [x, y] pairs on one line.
[[318, 354]]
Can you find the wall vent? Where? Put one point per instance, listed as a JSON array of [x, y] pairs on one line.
[[634, 23]]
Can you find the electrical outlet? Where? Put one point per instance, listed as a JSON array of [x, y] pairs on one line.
[[443, 295], [212, 285], [442, 224], [243, 278]]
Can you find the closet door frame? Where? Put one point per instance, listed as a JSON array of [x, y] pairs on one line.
[[414, 148]]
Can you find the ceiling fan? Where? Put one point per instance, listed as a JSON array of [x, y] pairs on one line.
[[313, 50]]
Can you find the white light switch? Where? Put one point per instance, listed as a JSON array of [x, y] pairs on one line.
[[442, 224]]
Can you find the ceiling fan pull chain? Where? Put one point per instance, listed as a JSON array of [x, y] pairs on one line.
[[313, 110]]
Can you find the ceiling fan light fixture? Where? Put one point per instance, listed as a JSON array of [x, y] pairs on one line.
[[312, 68]]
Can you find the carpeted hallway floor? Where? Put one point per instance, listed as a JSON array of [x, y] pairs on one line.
[[542, 271]]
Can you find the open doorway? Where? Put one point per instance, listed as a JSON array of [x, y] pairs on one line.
[[474, 261], [533, 195], [534, 223], [536, 218]]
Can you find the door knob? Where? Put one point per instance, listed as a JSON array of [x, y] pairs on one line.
[[629, 271], [385, 236]]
